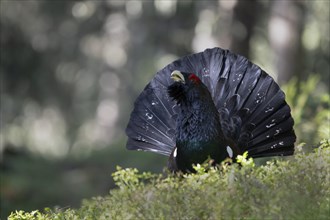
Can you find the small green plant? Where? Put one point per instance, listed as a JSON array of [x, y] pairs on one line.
[[26, 215], [245, 161], [325, 143]]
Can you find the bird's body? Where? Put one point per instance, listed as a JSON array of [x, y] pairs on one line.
[[213, 104], [198, 130]]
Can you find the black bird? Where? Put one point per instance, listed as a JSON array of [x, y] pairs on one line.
[[214, 104]]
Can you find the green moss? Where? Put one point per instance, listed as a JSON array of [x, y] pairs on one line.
[[298, 188]]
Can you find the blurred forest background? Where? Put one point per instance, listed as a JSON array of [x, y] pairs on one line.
[[71, 70]]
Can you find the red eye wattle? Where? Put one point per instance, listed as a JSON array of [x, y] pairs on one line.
[[194, 78]]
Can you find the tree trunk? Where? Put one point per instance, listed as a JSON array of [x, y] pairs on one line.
[[246, 14], [285, 30]]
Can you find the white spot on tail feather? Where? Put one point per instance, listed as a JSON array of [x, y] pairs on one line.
[[230, 152], [270, 125]]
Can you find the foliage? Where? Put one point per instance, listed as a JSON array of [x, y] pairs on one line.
[[310, 107], [244, 160], [298, 188]]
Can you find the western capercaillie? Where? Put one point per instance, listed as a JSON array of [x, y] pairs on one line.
[[211, 104]]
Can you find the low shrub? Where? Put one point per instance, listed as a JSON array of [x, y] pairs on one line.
[[293, 188]]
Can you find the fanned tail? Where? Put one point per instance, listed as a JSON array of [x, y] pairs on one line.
[[252, 107]]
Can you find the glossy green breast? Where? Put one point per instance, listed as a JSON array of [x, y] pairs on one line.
[[193, 152]]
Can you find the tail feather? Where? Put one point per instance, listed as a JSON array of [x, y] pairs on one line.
[[272, 133], [223, 87], [248, 87], [233, 103], [220, 94], [238, 80], [152, 123], [149, 131], [145, 146], [256, 93], [275, 120], [279, 146], [272, 106]]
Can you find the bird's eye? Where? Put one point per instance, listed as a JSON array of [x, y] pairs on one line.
[[192, 77]]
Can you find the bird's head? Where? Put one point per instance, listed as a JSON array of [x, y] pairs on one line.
[[187, 87]]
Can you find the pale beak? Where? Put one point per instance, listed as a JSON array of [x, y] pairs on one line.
[[177, 76]]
